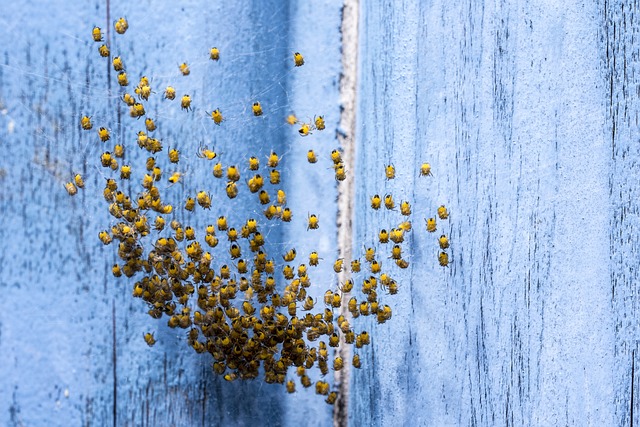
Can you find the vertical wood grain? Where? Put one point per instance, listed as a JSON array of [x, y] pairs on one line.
[[527, 112], [70, 333], [506, 101], [619, 35]]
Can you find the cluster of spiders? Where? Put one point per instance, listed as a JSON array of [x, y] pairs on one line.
[[246, 306]]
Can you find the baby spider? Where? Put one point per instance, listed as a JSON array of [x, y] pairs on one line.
[[117, 64], [170, 93], [149, 339], [205, 153], [289, 255], [204, 199], [216, 116], [186, 102], [273, 160], [443, 259], [304, 129], [336, 157], [442, 212], [121, 26], [443, 241], [388, 202], [431, 224], [78, 180], [85, 122], [97, 34], [123, 80], [214, 54], [103, 134], [175, 177], [71, 188], [137, 110], [390, 171], [311, 156], [405, 208], [257, 109], [103, 50], [313, 222], [128, 99], [150, 124], [254, 163], [174, 155], [425, 169], [314, 259], [375, 202]]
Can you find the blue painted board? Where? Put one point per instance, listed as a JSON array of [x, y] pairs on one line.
[[71, 333], [526, 113], [511, 104]]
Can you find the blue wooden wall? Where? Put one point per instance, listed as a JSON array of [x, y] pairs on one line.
[[70, 333], [527, 112]]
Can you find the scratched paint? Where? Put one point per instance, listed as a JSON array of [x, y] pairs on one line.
[[508, 102], [527, 113], [619, 32], [70, 333], [315, 31]]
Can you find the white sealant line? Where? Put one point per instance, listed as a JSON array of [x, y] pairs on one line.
[[346, 188]]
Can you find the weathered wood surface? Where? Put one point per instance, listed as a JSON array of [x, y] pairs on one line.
[[527, 112], [70, 333]]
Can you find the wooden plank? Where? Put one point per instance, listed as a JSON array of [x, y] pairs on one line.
[[505, 100], [527, 113], [620, 63], [71, 333]]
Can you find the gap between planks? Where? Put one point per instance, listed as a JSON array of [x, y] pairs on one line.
[[346, 188]]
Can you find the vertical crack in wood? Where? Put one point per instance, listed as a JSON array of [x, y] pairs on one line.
[[113, 357], [113, 302], [107, 41], [346, 191], [203, 382], [633, 375]]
